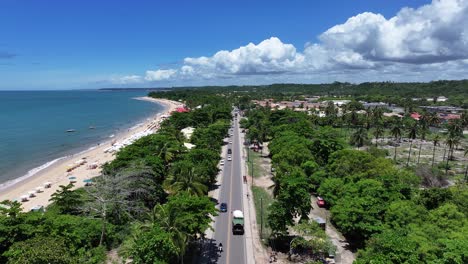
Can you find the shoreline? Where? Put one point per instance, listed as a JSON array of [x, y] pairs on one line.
[[55, 171]]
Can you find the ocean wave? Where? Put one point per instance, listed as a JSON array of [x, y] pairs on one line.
[[35, 170]]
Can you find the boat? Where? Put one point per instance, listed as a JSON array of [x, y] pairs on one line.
[[71, 130], [91, 127]]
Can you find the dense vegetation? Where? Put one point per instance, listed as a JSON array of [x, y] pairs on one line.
[[391, 92], [377, 205], [150, 202]]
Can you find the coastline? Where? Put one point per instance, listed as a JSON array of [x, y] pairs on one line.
[[55, 171]]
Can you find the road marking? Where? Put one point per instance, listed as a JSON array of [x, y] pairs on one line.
[[230, 202]]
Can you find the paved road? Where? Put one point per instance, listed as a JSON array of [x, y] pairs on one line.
[[231, 193]]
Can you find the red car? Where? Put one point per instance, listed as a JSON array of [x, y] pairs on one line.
[[320, 202]]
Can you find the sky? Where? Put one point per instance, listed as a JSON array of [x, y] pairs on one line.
[[81, 44]]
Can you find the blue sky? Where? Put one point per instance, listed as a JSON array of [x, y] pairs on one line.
[[92, 44]]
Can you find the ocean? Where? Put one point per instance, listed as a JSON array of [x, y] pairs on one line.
[[33, 125]]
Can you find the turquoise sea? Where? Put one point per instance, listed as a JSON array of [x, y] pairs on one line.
[[33, 125]]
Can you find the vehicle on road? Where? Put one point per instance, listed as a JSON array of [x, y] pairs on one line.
[[223, 207], [321, 202], [237, 222], [221, 162], [229, 151], [230, 141], [229, 158]]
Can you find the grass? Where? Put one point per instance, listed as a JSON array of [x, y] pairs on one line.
[[258, 171], [260, 195]]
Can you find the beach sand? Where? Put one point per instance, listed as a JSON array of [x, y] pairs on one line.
[[57, 173]]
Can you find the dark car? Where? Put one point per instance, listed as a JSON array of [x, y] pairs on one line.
[[229, 151], [223, 207], [321, 202]]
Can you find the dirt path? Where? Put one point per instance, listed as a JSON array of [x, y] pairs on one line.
[[343, 254]]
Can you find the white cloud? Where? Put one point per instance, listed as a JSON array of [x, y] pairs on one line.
[[426, 43], [129, 79], [432, 33], [159, 75]]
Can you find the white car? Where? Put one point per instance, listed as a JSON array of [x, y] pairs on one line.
[[221, 162], [229, 158], [230, 141]]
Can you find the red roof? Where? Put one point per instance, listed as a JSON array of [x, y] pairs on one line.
[[181, 110], [415, 116]]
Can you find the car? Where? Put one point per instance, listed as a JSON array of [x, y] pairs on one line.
[[230, 141], [223, 207], [221, 162], [229, 151], [321, 202], [229, 158]]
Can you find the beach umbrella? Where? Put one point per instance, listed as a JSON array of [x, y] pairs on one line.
[[39, 189], [32, 194], [47, 184], [24, 198], [72, 179], [88, 182]]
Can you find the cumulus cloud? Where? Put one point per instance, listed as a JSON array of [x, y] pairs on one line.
[[159, 75], [432, 33], [415, 43], [128, 79]]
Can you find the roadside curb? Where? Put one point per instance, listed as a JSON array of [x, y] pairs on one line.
[[253, 253]]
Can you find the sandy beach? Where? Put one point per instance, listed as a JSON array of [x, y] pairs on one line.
[[82, 166]]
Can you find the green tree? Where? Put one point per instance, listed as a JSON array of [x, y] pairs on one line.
[[66, 200], [435, 143], [412, 133], [154, 246], [39, 250], [359, 137]]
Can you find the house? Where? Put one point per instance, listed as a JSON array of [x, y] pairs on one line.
[[181, 110], [415, 116], [188, 131]]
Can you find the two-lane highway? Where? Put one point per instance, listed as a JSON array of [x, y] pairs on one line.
[[231, 193]]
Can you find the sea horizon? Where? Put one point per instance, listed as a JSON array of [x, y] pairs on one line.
[[34, 125]]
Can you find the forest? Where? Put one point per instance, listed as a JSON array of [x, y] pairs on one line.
[[387, 212]]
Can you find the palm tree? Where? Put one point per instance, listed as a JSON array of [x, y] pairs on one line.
[[188, 181], [169, 222], [378, 132], [435, 142], [359, 137], [451, 141], [411, 135], [396, 131], [433, 119]]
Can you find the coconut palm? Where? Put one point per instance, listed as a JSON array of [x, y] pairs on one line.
[[396, 131], [433, 119], [359, 137], [378, 132], [186, 181], [435, 142], [451, 141], [169, 222], [412, 133]]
